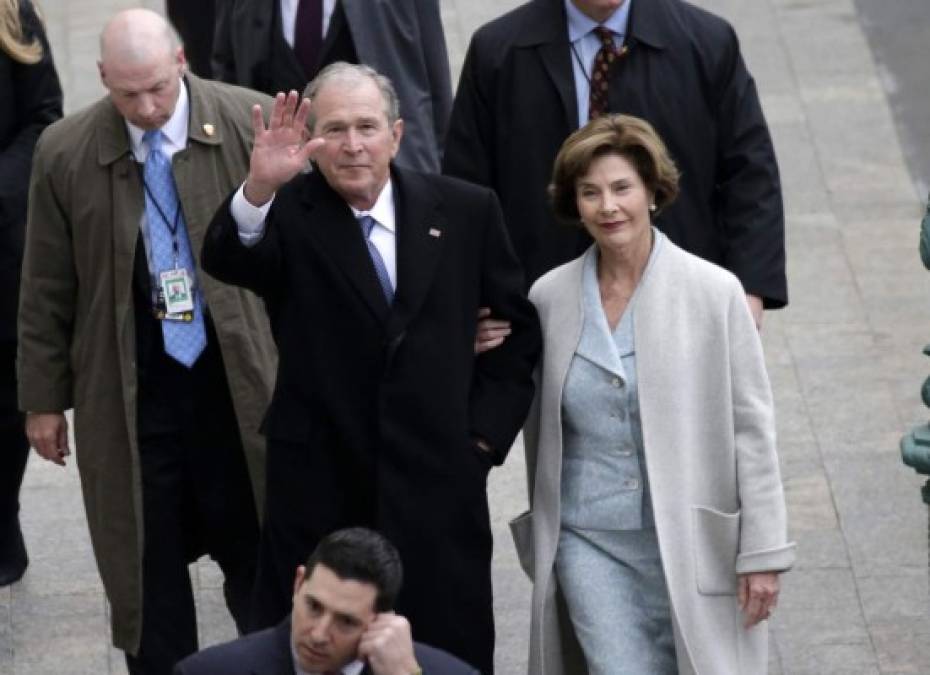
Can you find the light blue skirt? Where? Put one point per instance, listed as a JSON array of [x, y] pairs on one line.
[[617, 599]]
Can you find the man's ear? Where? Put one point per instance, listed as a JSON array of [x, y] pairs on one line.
[[299, 577], [397, 131], [180, 58], [102, 73]]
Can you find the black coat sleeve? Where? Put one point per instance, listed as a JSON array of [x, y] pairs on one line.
[[502, 388], [226, 258], [469, 148], [748, 186]]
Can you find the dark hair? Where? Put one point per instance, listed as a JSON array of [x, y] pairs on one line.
[[630, 137], [362, 555]]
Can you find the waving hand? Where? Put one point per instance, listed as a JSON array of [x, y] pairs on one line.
[[281, 150]]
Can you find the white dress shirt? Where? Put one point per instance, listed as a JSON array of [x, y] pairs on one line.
[[289, 18], [353, 668], [250, 223]]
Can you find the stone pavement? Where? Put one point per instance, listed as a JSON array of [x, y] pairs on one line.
[[844, 360]]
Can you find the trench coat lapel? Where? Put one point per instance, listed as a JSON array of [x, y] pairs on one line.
[[113, 150], [547, 32], [335, 231], [420, 227], [187, 165]]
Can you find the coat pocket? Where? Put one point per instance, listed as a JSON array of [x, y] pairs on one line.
[[715, 546], [521, 529]]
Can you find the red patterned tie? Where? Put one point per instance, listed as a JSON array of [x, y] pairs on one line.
[[600, 73]]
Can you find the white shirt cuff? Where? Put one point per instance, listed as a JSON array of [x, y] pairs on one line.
[[250, 220]]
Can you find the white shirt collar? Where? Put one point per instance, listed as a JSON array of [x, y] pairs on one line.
[[383, 210], [353, 668], [175, 129], [580, 24]]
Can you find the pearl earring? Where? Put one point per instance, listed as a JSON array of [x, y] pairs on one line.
[[652, 207]]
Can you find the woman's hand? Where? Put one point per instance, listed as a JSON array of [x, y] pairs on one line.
[[758, 596]]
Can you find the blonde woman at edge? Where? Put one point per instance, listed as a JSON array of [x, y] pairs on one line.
[[30, 99], [657, 529]]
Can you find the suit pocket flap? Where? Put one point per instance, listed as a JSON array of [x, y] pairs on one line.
[[715, 545], [521, 529]]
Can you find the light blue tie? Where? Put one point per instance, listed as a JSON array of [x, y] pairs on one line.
[[184, 341], [368, 223]]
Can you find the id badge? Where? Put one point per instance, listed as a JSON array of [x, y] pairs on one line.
[[176, 290]]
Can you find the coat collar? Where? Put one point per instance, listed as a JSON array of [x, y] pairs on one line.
[[597, 343], [545, 23], [418, 238], [650, 23], [545, 28], [279, 659], [113, 138]]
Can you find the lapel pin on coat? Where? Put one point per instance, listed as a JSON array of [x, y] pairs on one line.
[[435, 232], [208, 129]]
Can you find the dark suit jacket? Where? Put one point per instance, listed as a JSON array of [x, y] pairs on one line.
[[402, 39], [683, 72], [30, 100], [268, 652], [375, 408]]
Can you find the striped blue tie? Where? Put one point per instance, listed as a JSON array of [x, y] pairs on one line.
[[368, 223], [184, 341]]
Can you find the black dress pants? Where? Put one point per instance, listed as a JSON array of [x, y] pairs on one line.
[[14, 451], [197, 499]]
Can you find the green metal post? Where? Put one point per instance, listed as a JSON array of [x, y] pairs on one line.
[[915, 446]]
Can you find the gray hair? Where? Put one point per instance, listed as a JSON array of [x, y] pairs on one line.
[[354, 74]]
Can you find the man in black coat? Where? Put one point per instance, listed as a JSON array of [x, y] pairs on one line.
[[30, 100], [382, 414], [341, 621], [525, 87], [267, 45]]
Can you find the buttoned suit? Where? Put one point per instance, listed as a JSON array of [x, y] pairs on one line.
[[79, 334], [401, 39], [682, 72], [268, 652], [375, 407], [709, 439]]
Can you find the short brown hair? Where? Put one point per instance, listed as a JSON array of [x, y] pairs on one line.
[[632, 138]]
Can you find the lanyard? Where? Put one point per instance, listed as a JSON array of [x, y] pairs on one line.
[[172, 226]]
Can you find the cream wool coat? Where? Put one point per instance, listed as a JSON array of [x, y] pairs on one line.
[[709, 436]]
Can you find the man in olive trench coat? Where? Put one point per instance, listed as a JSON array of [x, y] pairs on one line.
[[80, 316]]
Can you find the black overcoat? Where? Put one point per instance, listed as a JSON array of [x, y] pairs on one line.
[[30, 100], [683, 72], [375, 409]]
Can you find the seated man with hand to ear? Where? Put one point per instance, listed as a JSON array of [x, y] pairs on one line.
[[341, 621]]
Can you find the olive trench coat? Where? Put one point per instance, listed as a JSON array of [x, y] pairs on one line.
[[76, 324], [709, 438]]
